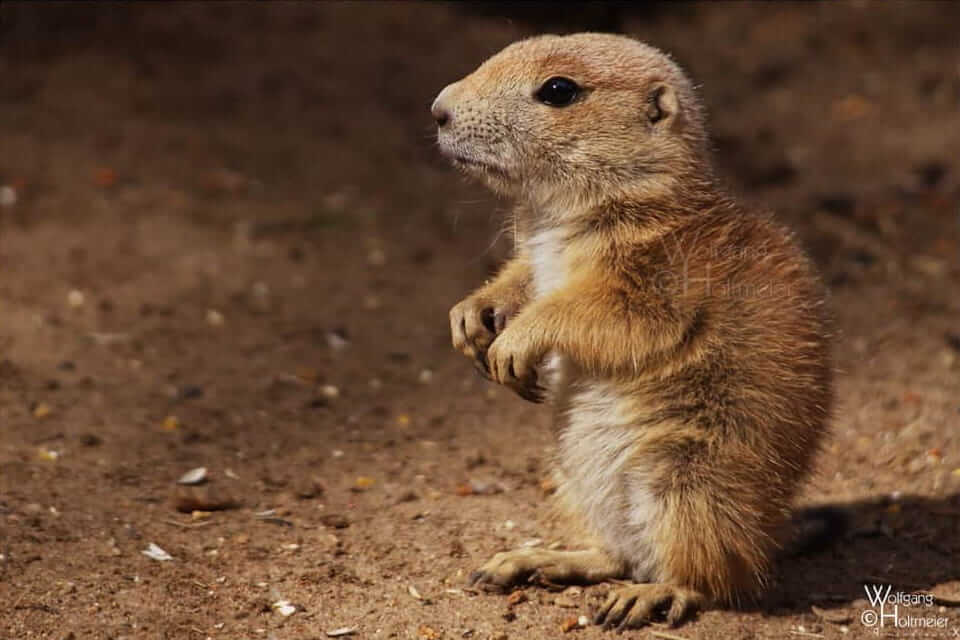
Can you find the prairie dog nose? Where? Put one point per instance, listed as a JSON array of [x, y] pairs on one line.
[[441, 106], [440, 114]]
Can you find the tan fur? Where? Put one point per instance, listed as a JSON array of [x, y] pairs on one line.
[[687, 336]]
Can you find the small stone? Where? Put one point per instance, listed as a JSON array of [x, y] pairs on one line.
[[428, 633], [337, 339], [335, 521], [188, 499], [377, 257], [156, 553], [171, 423], [362, 483], [91, 440], [8, 196], [426, 376], [284, 608], [215, 318], [194, 476], [516, 598], [342, 631], [49, 455], [330, 391], [76, 299], [42, 410], [308, 489]]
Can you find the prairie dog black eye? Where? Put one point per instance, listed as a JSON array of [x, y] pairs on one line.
[[558, 92]]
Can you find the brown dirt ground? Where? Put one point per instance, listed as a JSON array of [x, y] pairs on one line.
[[261, 162]]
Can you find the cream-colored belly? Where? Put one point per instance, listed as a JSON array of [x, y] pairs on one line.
[[598, 473]]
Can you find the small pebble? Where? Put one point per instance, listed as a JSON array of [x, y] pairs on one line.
[[362, 483], [377, 257], [284, 608], [188, 499], [426, 376], [91, 440], [156, 553], [342, 631], [42, 410], [8, 196], [330, 391], [76, 298], [335, 520], [48, 454], [171, 423], [337, 339], [194, 476], [215, 318]]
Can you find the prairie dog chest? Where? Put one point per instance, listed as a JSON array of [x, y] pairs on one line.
[[547, 259]]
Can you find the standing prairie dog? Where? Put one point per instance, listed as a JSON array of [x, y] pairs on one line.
[[681, 338]]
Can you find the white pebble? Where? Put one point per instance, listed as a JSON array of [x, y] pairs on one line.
[[214, 318], [342, 631], [426, 376], [156, 553], [76, 298], [284, 608], [336, 341], [509, 525], [337, 453], [194, 476], [583, 621], [8, 196], [330, 391]]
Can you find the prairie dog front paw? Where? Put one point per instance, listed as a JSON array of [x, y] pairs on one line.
[[474, 323]]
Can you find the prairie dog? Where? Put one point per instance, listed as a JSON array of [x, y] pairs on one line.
[[686, 336]]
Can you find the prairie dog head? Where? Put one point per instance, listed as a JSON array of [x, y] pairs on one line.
[[562, 118]]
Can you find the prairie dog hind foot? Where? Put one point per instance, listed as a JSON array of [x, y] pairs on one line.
[[547, 567], [636, 605]]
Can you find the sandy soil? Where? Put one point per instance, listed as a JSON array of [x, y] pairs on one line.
[[233, 245]]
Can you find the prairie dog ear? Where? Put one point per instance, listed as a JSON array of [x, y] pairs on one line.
[[662, 104]]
